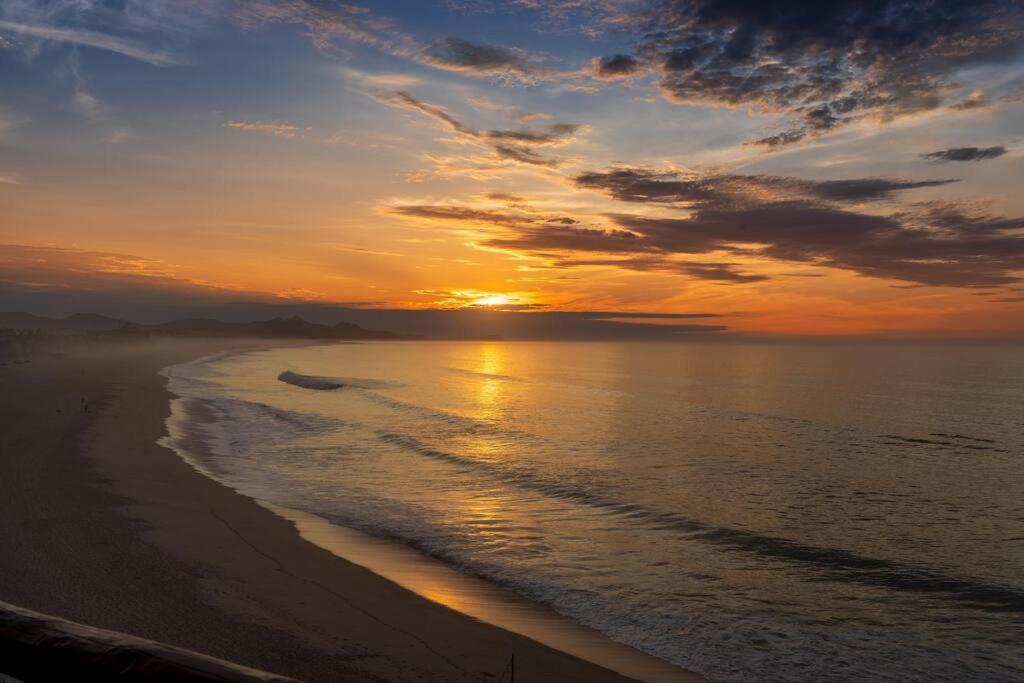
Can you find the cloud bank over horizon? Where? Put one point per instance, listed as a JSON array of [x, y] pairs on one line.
[[826, 168]]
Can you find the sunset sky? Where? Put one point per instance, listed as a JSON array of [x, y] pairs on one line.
[[795, 168]]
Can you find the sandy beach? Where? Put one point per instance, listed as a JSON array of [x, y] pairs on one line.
[[104, 526]]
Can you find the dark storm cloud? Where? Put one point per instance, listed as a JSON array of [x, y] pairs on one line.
[[763, 217], [865, 189], [824, 64], [941, 246], [796, 231], [799, 220], [618, 66], [645, 185], [638, 184], [953, 217], [723, 272], [462, 55], [965, 154], [554, 238], [512, 145]]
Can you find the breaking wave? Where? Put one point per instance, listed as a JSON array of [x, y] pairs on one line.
[[331, 383]]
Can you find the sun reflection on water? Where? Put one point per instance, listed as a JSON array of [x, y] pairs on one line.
[[492, 365]]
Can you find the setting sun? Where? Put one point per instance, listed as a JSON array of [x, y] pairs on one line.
[[495, 300]]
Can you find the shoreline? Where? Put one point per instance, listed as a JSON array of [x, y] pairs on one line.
[[431, 578], [479, 599], [168, 553]]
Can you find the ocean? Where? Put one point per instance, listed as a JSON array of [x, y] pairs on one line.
[[748, 511]]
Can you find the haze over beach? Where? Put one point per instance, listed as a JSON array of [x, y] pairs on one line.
[[537, 340]]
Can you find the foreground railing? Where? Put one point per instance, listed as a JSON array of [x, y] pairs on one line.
[[37, 647]]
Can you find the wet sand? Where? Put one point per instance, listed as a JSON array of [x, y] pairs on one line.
[[104, 526]]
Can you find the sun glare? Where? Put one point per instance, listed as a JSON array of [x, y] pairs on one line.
[[494, 300]]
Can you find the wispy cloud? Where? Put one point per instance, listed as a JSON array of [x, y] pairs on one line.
[[94, 39], [281, 129], [333, 27], [516, 146], [7, 122], [57, 268], [379, 80]]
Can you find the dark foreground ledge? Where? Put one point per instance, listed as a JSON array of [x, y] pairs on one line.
[[37, 647]]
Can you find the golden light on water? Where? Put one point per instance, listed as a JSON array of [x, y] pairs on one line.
[[491, 365]]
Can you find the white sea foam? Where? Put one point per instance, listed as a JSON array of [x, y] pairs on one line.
[[309, 381], [331, 383]]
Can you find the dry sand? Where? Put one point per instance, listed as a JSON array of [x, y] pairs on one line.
[[103, 526]]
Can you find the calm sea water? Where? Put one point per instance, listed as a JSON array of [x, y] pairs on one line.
[[750, 512]]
